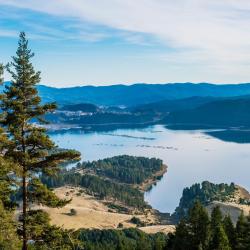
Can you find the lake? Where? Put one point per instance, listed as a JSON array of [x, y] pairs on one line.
[[191, 156]]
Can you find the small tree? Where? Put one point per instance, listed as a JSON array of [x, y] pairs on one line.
[[73, 212], [243, 232], [230, 230], [198, 220], [216, 217], [181, 239], [28, 145], [219, 239]]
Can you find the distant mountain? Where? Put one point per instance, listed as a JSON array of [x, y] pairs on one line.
[[138, 94], [167, 106], [217, 114], [231, 135]]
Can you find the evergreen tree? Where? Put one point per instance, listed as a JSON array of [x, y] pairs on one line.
[[8, 236], [219, 239], [182, 237], [247, 238], [216, 217], [199, 226], [28, 146], [243, 233], [230, 230]]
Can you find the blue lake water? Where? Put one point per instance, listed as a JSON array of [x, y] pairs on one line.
[[191, 156]]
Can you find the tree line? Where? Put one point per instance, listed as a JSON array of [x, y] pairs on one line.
[[201, 231]]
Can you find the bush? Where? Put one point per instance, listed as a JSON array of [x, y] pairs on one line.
[[120, 225], [73, 212], [137, 222]]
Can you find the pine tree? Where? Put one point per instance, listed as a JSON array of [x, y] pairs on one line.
[[219, 239], [198, 220], [216, 217], [8, 236], [247, 239], [243, 233], [28, 145], [230, 230], [182, 237]]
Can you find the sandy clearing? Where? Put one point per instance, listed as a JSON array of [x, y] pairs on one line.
[[158, 228], [90, 213]]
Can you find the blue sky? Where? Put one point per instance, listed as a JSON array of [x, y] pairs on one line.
[[102, 42]]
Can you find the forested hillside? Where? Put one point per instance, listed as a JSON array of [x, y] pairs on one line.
[[205, 193], [111, 178], [217, 114], [125, 169]]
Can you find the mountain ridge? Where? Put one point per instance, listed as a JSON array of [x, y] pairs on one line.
[[137, 94]]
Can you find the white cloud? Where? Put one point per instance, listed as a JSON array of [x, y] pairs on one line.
[[208, 32], [199, 24]]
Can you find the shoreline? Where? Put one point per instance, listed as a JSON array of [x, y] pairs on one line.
[[151, 181]]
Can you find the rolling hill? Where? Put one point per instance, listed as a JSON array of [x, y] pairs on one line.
[[138, 94], [133, 95], [217, 114]]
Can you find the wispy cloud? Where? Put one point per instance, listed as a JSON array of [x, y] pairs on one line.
[[211, 33], [212, 25]]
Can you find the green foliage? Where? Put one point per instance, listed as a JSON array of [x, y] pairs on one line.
[[111, 178], [69, 161], [8, 236], [243, 233], [41, 195], [194, 232], [7, 186], [28, 145], [205, 193], [200, 232], [181, 238], [137, 221], [47, 237], [118, 208], [99, 187], [72, 212], [125, 168], [197, 231], [216, 217], [126, 239], [219, 239], [230, 230]]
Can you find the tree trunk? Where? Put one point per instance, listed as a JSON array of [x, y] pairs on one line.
[[25, 241]]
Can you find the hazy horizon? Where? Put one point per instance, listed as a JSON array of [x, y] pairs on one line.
[[130, 84]]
